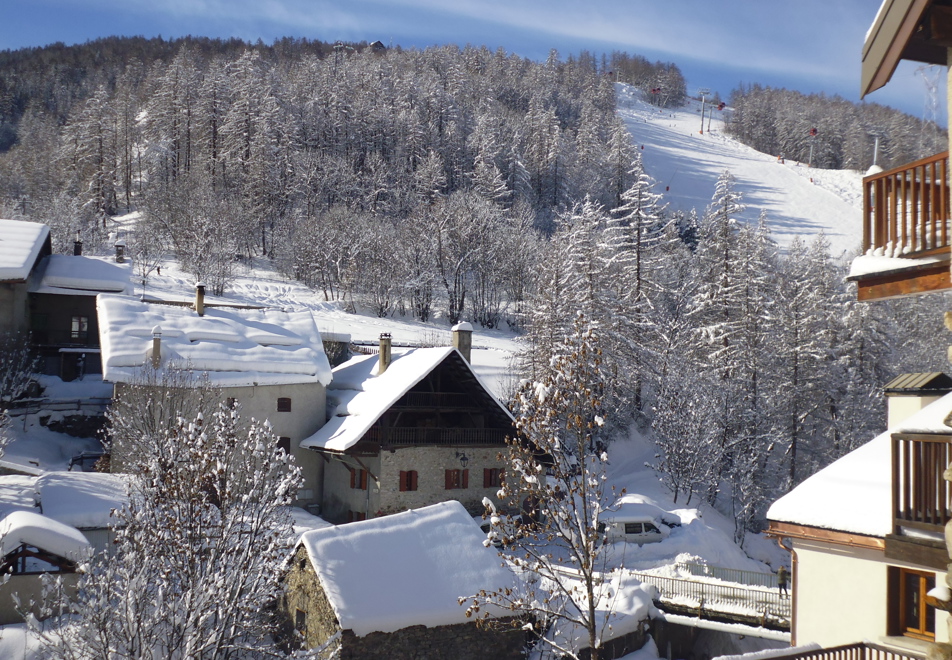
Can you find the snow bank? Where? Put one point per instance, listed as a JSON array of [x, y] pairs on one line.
[[84, 500], [235, 347], [81, 275], [20, 245], [357, 397], [407, 569], [850, 495], [25, 527]]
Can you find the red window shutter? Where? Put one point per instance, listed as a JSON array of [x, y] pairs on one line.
[[413, 479], [363, 480], [465, 479], [403, 481], [487, 477], [353, 478], [449, 480]]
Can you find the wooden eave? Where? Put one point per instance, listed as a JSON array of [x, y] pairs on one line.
[[916, 30], [808, 533], [916, 279]]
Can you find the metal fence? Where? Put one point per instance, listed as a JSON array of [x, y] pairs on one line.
[[721, 598], [753, 578], [94, 405]]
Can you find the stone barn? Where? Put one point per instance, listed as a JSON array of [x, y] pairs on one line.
[[390, 588]]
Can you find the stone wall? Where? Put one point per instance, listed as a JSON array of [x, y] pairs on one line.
[[463, 641], [303, 592], [431, 464]]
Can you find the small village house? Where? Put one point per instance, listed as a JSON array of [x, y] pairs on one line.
[[390, 588], [408, 429], [270, 361], [24, 244]]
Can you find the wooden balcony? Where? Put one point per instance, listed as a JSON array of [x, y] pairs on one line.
[[921, 498], [906, 215], [416, 436]]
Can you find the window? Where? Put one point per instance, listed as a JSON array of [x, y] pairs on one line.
[[231, 402], [911, 615], [358, 479], [79, 328], [408, 480], [300, 621], [457, 479], [284, 444], [632, 528], [355, 516], [492, 477], [284, 404]]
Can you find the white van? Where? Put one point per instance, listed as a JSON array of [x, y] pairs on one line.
[[635, 529]]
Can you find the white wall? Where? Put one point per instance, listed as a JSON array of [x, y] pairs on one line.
[[841, 594]]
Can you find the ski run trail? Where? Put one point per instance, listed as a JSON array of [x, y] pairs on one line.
[[799, 200]]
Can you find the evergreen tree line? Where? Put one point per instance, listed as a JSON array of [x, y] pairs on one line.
[[750, 366], [781, 121], [662, 82], [399, 175]]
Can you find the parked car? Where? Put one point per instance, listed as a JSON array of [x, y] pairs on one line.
[[638, 529]]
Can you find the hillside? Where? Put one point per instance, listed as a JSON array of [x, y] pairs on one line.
[[799, 201]]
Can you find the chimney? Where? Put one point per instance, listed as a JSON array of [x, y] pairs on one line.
[[120, 251], [384, 361], [77, 247], [463, 339], [200, 298], [156, 347]]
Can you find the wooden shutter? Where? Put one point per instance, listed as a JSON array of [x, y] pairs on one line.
[[353, 478], [449, 480], [487, 477], [413, 479], [363, 480], [403, 481], [464, 481]]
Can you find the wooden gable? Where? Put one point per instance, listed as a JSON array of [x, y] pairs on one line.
[[448, 407]]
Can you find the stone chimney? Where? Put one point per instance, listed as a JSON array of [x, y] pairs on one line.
[[200, 298], [120, 251], [156, 347], [385, 345], [463, 339], [77, 247]]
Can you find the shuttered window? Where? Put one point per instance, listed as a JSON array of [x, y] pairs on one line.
[[492, 477], [457, 479], [284, 404], [408, 480], [358, 479]]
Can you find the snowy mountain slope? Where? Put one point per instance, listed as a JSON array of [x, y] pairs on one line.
[[799, 200]]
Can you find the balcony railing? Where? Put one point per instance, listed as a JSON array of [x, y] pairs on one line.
[[430, 400], [921, 496], [857, 651], [436, 436], [906, 209]]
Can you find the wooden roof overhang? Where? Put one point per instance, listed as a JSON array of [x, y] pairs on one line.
[[917, 30], [808, 533]]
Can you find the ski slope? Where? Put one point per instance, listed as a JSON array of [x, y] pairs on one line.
[[799, 200]]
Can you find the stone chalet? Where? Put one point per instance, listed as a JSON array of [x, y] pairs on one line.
[[410, 429], [390, 588]]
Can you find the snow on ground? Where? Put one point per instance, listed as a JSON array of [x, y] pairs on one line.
[[18, 643], [35, 449], [799, 200]]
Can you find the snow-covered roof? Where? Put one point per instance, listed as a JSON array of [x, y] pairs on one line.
[[358, 397], [234, 347], [25, 527], [871, 264], [84, 500], [71, 275], [404, 570], [852, 494], [20, 245]]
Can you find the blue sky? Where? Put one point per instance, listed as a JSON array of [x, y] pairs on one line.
[[810, 45]]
